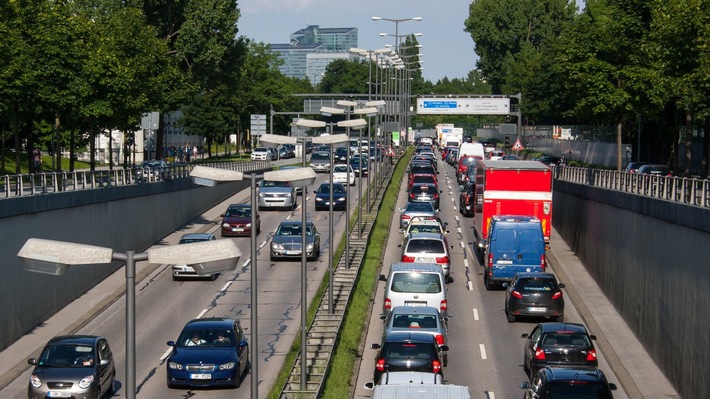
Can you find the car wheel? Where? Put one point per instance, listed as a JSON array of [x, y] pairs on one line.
[[560, 319], [258, 229], [526, 369], [445, 359], [273, 259], [511, 317], [486, 282]]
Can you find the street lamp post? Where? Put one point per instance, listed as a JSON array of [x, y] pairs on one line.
[[207, 176], [55, 257]]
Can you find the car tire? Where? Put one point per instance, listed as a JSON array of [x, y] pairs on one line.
[[486, 282], [511, 317], [445, 359], [526, 369], [560, 319]]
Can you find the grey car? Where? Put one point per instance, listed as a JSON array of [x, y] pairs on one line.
[[287, 241], [182, 271], [276, 194], [73, 366], [414, 209], [320, 161], [418, 319]]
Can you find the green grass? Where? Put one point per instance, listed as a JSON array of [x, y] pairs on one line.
[[340, 374], [8, 161]]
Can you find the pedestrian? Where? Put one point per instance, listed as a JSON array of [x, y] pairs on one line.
[[187, 153], [37, 159], [194, 151]]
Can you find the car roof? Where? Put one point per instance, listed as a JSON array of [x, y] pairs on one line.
[[292, 222], [74, 339], [416, 266], [234, 206], [415, 310], [572, 374], [571, 327], [535, 275], [211, 322], [408, 336], [197, 236], [516, 218]]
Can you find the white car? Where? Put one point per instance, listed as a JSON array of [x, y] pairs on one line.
[[261, 154], [340, 174]]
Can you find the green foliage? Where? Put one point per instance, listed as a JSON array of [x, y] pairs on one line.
[[345, 76]]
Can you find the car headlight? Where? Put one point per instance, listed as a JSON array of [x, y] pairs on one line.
[[174, 366], [86, 382], [227, 366], [341, 199], [319, 199], [276, 246], [35, 381], [289, 194], [225, 225], [309, 246], [248, 225], [261, 195]]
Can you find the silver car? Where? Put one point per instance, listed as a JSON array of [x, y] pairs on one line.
[[287, 242], [414, 209], [427, 248], [418, 319], [276, 194], [181, 271], [320, 161]]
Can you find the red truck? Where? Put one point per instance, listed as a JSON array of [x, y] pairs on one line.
[[513, 188]]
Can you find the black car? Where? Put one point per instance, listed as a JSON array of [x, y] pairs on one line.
[[340, 155], [323, 197], [633, 167], [73, 366], [549, 159], [425, 192], [558, 345], [408, 351], [359, 164], [568, 383], [534, 294], [210, 352], [467, 199]]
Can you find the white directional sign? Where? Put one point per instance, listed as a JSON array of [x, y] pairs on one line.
[[258, 124], [463, 106]]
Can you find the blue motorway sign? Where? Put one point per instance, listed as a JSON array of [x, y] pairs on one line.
[[446, 104]]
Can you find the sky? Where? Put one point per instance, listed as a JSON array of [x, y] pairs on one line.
[[447, 51]]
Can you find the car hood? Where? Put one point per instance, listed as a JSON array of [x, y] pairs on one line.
[[186, 354], [63, 373], [236, 220]]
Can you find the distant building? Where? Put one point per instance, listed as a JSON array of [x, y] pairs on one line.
[[311, 49]]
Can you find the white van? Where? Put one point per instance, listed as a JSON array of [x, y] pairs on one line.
[[415, 284], [475, 149], [421, 391]]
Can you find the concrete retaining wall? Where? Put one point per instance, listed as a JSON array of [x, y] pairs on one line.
[[129, 218], [650, 258]]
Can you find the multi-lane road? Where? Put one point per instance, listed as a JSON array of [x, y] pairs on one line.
[[486, 351]]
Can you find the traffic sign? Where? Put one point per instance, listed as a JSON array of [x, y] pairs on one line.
[[518, 145], [258, 124]]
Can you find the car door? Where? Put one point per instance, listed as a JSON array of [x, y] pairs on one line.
[[105, 372], [242, 351], [531, 344]]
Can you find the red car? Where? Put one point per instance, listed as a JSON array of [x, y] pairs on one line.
[[424, 178], [463, 167], [236, 221]]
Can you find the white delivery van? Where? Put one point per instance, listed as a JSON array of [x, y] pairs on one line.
[[421, 391], [475, 149], [415, 284]]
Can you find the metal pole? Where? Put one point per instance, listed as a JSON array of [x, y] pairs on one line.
[[254, 347], [304, 287], [331, 309], [369, 147], [359, 185], [347, 203], [130, 325]]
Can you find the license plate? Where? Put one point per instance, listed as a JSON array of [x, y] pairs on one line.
[[536, 309], [504, 262], [237, 229], [414, 303], [200, 376], [55, 394], [293, 252], [425, 260]]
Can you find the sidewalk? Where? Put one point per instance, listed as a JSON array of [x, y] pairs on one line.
[[637, 373]]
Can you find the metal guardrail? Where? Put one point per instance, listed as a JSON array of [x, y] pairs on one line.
[[683, 190], [22, 185]]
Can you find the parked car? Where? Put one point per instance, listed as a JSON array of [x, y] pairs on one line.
[[182, 271], [341, 174], [420, 319], [320, 161], [323, 198], [413, 209], [261, 154], [633, 167], [568, 383], [425, 192], [276, 194], [210, 352], [152, 170], [286, 242], [73, 366], [427, 248], [536, 295], [558, 345], [236, 221], [408, 351]]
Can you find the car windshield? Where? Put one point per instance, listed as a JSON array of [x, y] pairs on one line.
[[269, 183], [325, 189], [261, 149], [240, 212], [293, 230], [320, 156], [341, 169], [67, 355], [416, 282], [578, 390], [208, 337]]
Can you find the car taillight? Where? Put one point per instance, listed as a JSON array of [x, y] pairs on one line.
[[539, 354], [542, 262], [516, 294], [557, 295], [407, 258], [411, 195], [436, 196], [435, 366], [406, 217], [439, 339], [490, 260], [443, 306], [388, 303], [443, 259], [380, 365], [592, 355]]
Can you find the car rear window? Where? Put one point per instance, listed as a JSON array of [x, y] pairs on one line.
[[416, 283], [565, 339], [578, 389], [425, 246], [535, 285], [399, 350], [423, 189], [414, 321]]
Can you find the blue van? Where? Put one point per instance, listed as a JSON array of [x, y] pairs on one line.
[[515, 244]]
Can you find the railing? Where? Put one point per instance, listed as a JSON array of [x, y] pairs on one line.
[[54, 182], [676, 189]]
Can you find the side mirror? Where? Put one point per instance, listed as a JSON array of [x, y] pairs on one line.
[[612, 386], [561, 285], [525, 385], [383, 277], [375, 346], [524, 335]]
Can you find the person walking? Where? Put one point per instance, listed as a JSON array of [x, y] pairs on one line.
[[37, 159]]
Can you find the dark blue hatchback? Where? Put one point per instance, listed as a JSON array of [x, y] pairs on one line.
[[208, 353]]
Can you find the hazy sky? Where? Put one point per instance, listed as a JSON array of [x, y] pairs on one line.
[[447, 50]]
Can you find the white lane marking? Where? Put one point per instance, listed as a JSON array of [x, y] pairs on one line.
[[475, 314], [491, 395], [465, 263], [225, 286], [246, 263], [166, 354], [483, 351], [462, 246], [470, 285], [199, 316], [458, 229], [456, 218]]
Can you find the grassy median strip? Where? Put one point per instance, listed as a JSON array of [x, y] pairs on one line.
[[340, 374]]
